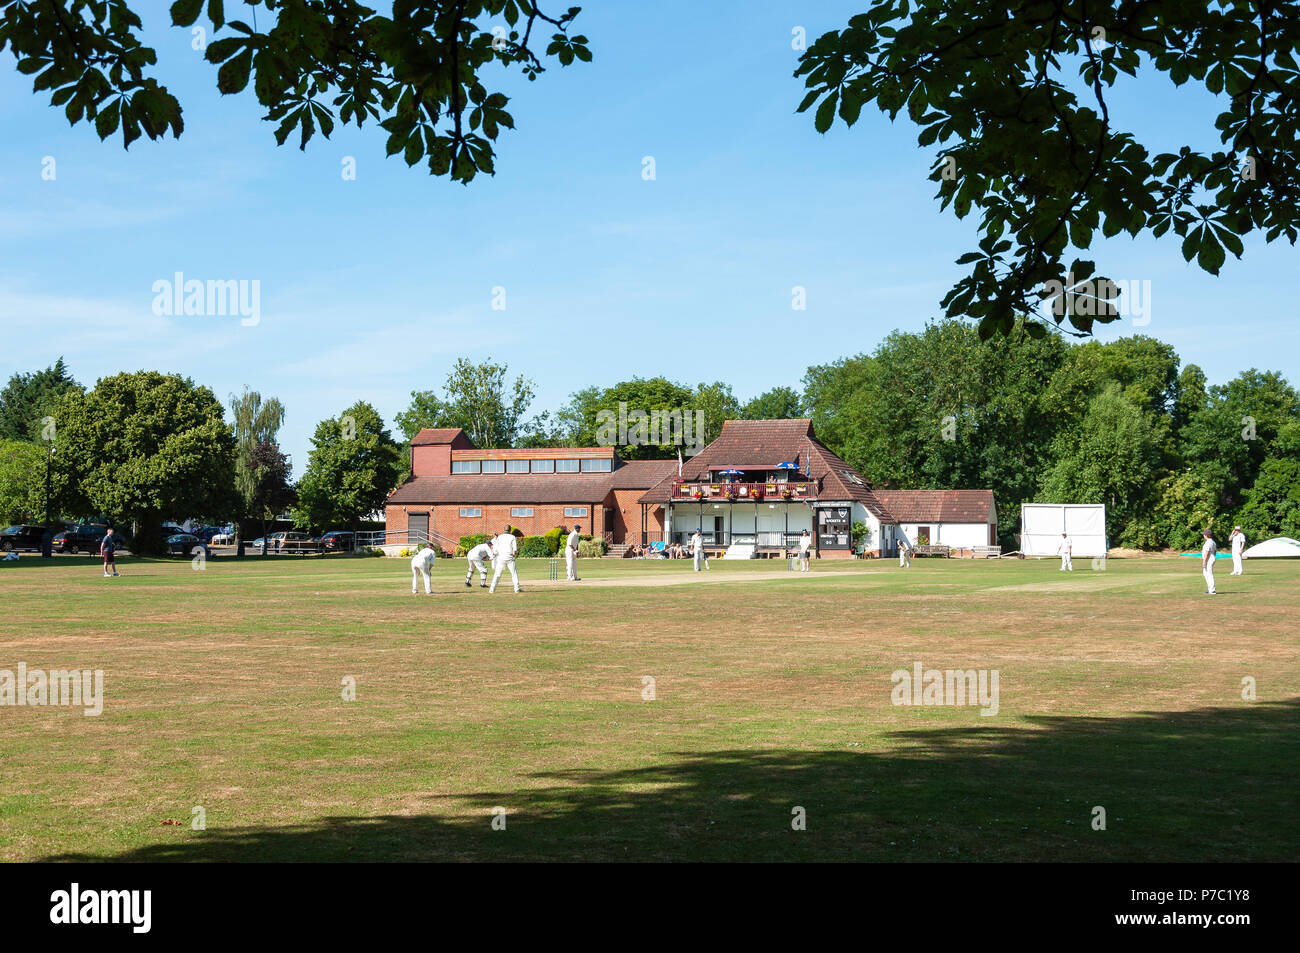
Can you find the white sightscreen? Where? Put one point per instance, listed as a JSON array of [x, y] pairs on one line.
[[1041, 525]]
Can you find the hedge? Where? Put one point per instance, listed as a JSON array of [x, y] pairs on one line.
[[534, 547]]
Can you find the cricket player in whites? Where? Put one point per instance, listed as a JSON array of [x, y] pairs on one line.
[[475, 558], [805, 550], [697, 548], [505, 547], [571, 554], [1066, 553], [1238, 541], [1208, 553], [420, 563], [904, 551]]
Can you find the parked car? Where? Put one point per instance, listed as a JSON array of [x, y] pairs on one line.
[[184, 544], [22, 536], [80, 539], [291, 541], [258, 544], [224, 538], [206, 533], [337, 541]]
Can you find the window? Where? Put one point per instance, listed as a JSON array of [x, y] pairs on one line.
[[567, 466], [521, 511], [575, 511], [516, 466], [494, 466], [543, 466], [464, 466], [471, 511], [596, 466]]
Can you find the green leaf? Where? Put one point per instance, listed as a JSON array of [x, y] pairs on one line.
[[233, 75], [185, 12], [826, 112], [106, 121]]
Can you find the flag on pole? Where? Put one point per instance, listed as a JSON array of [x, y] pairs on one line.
[[679, 461]]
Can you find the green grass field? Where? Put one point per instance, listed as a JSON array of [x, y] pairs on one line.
[[223, 690]]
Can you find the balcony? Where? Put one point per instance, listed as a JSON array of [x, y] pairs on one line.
[[773, 492]]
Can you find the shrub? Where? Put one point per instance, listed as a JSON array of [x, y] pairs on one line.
[[590, 548], [534, 547], [554, 539], [406, 552], [469, 542]]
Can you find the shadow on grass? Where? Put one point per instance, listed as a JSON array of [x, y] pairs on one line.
[[1206, 785]]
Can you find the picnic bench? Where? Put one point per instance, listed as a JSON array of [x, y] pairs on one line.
[[986, 552], [928, 550]]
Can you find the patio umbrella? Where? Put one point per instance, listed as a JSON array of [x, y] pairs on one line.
[[731, 472]]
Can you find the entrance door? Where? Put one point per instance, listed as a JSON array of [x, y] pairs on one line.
[[417, 528]]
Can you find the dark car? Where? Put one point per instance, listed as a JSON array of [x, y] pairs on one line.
[[23, 536], [337, 541], [207, 532], [184, 544], [80, 539]]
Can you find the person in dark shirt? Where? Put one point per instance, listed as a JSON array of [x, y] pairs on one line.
[[107, 549]]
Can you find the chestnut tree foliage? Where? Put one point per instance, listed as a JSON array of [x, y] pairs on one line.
[[1014, 95], [418, 74]]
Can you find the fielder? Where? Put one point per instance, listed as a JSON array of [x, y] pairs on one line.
[[1066, 553], [505, 547], [697, 549], [571, 554], [1208, 552], [420, 563], [904, 552], [805, 550], [1238, 541], [475, 558]]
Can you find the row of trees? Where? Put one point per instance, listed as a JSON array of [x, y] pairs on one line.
[[1034, 418]]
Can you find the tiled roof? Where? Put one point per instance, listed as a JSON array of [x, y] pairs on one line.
[[641, 474], [440, 435], [762, 444], [504, 488], [939, 506]]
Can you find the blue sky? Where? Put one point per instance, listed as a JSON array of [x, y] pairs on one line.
[[371, 288]]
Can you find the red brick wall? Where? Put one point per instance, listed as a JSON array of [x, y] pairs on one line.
[[626, 522], [431, 460], [445, 519]]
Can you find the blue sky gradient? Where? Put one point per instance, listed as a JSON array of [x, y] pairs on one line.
[[371, 288]]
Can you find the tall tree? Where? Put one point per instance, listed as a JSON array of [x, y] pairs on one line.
[[146, 447], [1035, 150], [1112, 457], [28, 398], [352, 467], [22, 481], [480, 401], [271, 492], [779, 403], [256, 422], [418, 72]]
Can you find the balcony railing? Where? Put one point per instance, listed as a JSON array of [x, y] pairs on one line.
[[721, 540], [745, 492]]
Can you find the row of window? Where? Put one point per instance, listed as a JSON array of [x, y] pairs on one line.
[[595, 465], [475, 511]]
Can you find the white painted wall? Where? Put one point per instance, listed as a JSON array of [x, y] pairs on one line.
[[956, 535]]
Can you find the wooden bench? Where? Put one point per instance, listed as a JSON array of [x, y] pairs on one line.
[[928, 550], [985, 552]]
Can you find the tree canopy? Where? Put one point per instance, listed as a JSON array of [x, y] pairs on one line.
[[146, 447], [419, 73], [1014, 96], [352, 467]]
